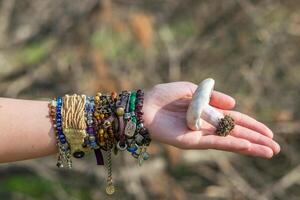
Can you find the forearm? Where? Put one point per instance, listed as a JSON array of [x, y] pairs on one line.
[[25, 129]]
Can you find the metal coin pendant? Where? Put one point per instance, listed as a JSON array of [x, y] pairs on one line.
[[110, 189], [140, 157], [130, 128], [140, 160]]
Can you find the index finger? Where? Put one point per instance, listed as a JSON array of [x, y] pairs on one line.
[[222, 101]]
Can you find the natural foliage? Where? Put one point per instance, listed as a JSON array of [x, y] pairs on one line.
[[251, 49]]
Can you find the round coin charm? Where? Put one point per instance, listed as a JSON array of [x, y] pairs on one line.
[[110, 189]]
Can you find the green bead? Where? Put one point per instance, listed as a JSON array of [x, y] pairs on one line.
[[134, 119], [132, 101]]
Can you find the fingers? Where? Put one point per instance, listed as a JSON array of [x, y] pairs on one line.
[[224, 143], [195, 140], [242, 141], [258, 151], [222, 101], [255, 137], [250, 123]]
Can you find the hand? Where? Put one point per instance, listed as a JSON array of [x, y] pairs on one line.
[[165, 117]]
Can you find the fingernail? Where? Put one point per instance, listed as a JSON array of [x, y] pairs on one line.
[[277, 149]]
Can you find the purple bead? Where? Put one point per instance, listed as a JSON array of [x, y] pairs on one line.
[[138, 107]]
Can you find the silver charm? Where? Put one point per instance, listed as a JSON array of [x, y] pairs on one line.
[[139, 138], [130, 128], [121, 148], [143, 155]]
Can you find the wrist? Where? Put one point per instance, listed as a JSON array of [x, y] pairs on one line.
[[147, 111]]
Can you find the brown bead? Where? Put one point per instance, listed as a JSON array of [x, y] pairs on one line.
[[101, 131], [102, 144], [114, 95]]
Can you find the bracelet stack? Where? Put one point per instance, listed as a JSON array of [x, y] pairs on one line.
[[106, 122]]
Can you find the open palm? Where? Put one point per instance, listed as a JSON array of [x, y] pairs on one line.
[[165, 117]]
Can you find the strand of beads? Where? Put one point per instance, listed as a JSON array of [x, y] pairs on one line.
[[64, 155], [143, 137], [104, 106], [90, 140]]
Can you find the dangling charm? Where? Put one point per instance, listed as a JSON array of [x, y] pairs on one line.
[[130, 128], [143, 155], [110, 188]]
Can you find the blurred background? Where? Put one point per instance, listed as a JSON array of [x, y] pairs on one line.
[[251, 48]]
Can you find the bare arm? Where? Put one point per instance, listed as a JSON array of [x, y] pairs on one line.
[[25, 130]]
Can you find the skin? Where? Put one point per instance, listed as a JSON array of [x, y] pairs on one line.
[[27, 133], [165, 116]]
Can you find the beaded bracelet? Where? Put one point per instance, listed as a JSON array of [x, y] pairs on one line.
[[64, 153], [105, 122], [90, 140]]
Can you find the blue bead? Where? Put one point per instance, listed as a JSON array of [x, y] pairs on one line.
[[59, 100], [63, 141], [132, 149], [61, 136]]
